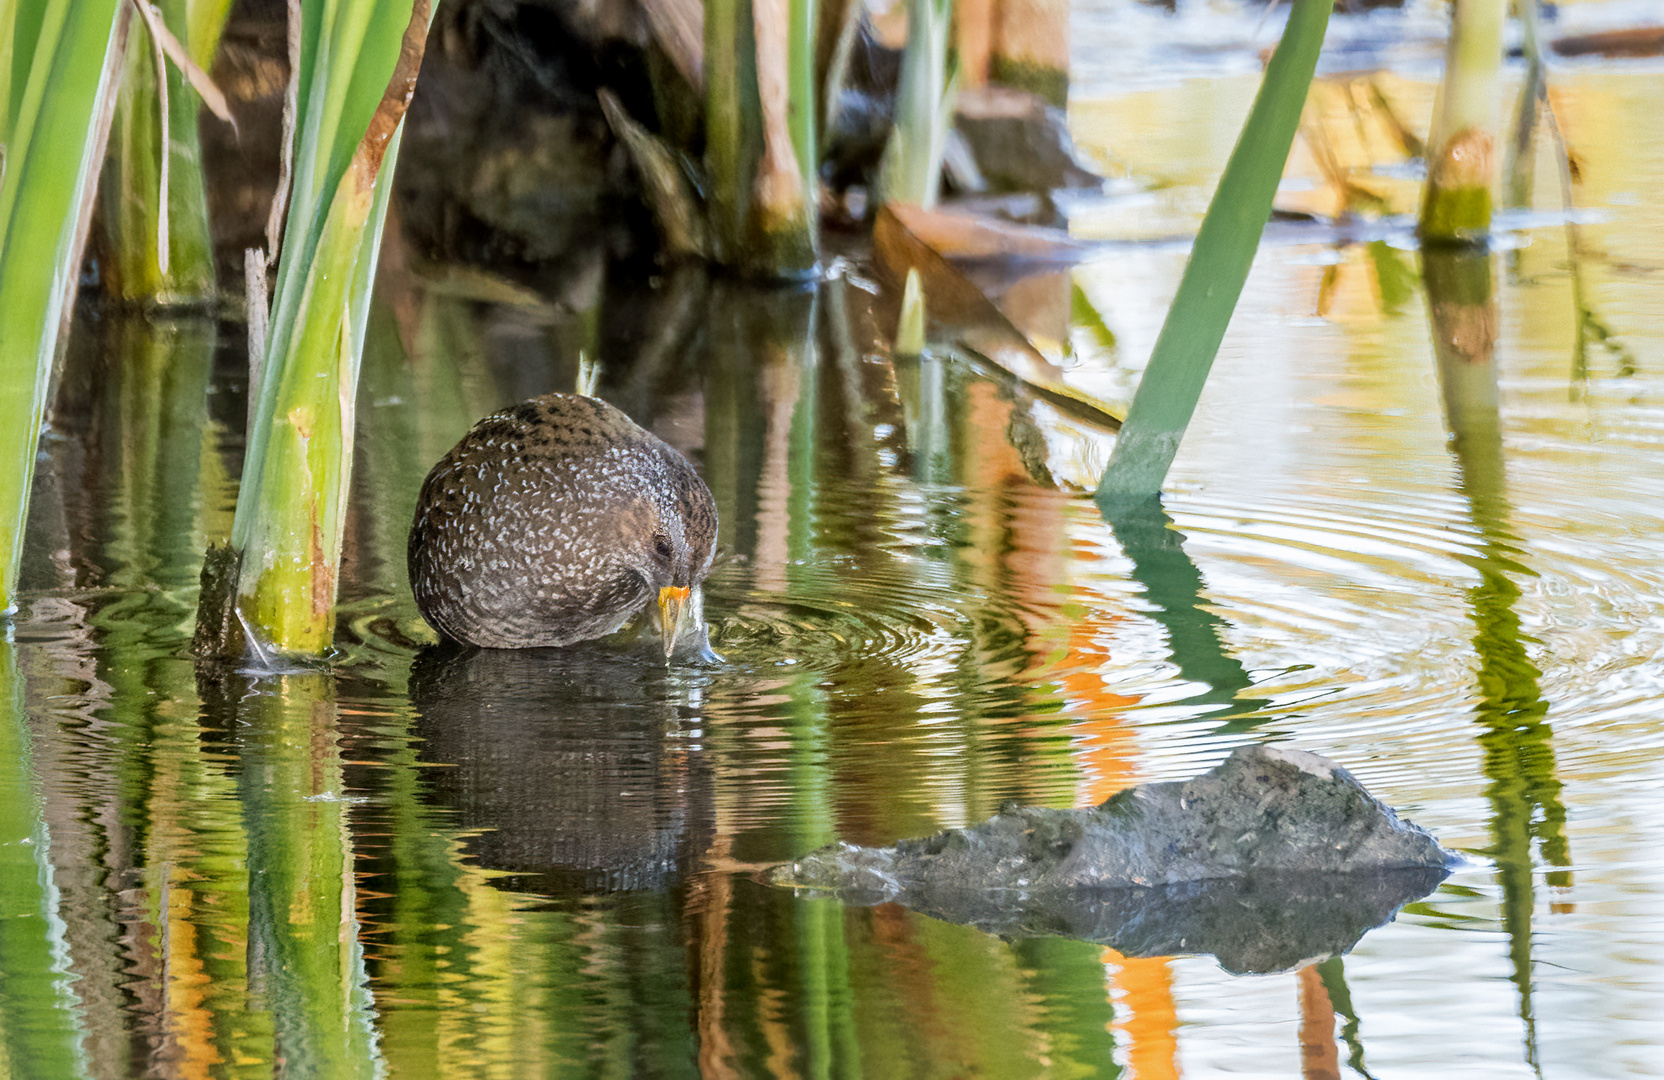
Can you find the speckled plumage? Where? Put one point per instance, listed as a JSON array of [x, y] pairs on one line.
[[555, 521]]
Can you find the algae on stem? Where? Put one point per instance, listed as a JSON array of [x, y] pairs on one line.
[[1461, 150]]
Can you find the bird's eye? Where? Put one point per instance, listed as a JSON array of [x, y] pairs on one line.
[[661, 544]]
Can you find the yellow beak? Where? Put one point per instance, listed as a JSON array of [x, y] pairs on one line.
[[673, 612]]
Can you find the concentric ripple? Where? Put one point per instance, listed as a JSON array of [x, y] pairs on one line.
[[827, 618]]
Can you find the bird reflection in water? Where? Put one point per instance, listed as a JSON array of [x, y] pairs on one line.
[[581, 769]]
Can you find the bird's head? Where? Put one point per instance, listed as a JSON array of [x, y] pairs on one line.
[[669, 540]]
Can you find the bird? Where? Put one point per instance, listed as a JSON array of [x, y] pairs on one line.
[[558, 520]]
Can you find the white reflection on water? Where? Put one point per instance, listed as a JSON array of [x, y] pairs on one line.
[[1324, 508]]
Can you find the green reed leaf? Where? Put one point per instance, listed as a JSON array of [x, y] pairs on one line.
[[1218, 267], [291, 507], [62, 69]]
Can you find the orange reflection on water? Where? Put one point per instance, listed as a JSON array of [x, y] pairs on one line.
[[1104, 745], [188, 1047], [1151, 1025], [1319, 1056]]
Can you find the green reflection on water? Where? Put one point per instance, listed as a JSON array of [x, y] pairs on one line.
[[41, 1018], [435, 1000], [162, 821], [305, 957], [1519, 755], [1066, 981], [1173, 584], [1333, 974]]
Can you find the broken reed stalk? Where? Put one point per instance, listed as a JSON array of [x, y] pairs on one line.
[[911, 169], [909, 343], [836, 73], [285, 549], [56, 93], [669, 192], [1218, 267], [1461, 151]]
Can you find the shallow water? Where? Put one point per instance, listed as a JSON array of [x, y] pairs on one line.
[[543, 863]]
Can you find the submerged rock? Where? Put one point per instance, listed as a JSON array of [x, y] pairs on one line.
[[1274, 857]]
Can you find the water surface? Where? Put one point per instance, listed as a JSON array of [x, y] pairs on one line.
[[1407, 531]]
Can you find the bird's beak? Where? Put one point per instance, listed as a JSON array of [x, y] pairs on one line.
[[673, 613]]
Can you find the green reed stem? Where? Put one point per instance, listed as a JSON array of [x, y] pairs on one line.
[[733, 122], [1218, 267], [803, 92], [911, 170], [760, 135], [129, 193], [291, 508], [1522, 149]]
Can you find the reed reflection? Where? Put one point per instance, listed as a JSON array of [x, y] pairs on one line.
[[145, 478], [45, 1026], [528, 825], [151, 842], [1319, 1056], [1332, 973], [812, 450], [305, 959], [153, 490], [1524, 790], [1174, 586]]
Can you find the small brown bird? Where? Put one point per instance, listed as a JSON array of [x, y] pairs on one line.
[[555, 521]]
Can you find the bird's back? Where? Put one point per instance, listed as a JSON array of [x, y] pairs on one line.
[[519, 530]]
